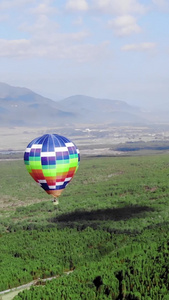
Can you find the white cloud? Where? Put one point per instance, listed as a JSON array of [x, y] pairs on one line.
[[40, 20], [139, 47], [43, 26], [124, 25], [87, 52], [55, 46], [161, 3], [8, 4], [77, 5], [119, 7], [14, 48], [43, 9]]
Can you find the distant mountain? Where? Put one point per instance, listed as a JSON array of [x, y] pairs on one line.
[[22, 107], [94, 110]]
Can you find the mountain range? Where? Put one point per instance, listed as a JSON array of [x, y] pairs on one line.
[[22, 107]]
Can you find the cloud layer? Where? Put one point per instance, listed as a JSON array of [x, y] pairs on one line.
[[104, 47], [42, 31], [124, 25]]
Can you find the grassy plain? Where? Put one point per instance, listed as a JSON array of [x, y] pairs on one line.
[[112, 223]]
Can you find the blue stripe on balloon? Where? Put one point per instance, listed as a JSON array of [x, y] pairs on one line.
[[41, 140], [44, 160], [45, 144], [44, 186], [58, 140], [51, 146], [32, 153], [48, 160], [64, 139], [62, 155], [72, 150], [52, 160], [26, 156], [37, 152]]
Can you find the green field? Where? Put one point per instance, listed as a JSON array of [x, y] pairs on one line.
[[110, 229]]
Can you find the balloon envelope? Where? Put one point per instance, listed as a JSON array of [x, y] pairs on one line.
[[52, 160]]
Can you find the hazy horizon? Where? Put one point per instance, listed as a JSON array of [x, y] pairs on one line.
[[147, 106]]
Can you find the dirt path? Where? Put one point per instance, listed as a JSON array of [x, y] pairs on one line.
[[11, 293]]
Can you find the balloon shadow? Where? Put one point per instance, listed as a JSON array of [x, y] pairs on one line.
[[89, 218]]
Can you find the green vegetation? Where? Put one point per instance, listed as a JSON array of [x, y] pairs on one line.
[[110, 229], [141, 146]]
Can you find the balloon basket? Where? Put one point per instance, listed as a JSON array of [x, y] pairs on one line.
[[55, 201]]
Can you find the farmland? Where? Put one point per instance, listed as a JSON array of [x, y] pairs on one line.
[[110, 229]]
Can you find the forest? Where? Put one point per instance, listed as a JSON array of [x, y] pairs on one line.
[[107, 238]]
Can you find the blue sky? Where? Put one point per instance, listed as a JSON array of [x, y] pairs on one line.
[[116, 49]]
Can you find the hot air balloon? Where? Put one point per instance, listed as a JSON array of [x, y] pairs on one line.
[[52, 160]]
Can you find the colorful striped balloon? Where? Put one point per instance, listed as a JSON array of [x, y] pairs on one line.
[[52, 160]]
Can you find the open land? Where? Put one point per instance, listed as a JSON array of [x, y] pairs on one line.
[[91, 139], [111, 225], [110, 229]]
